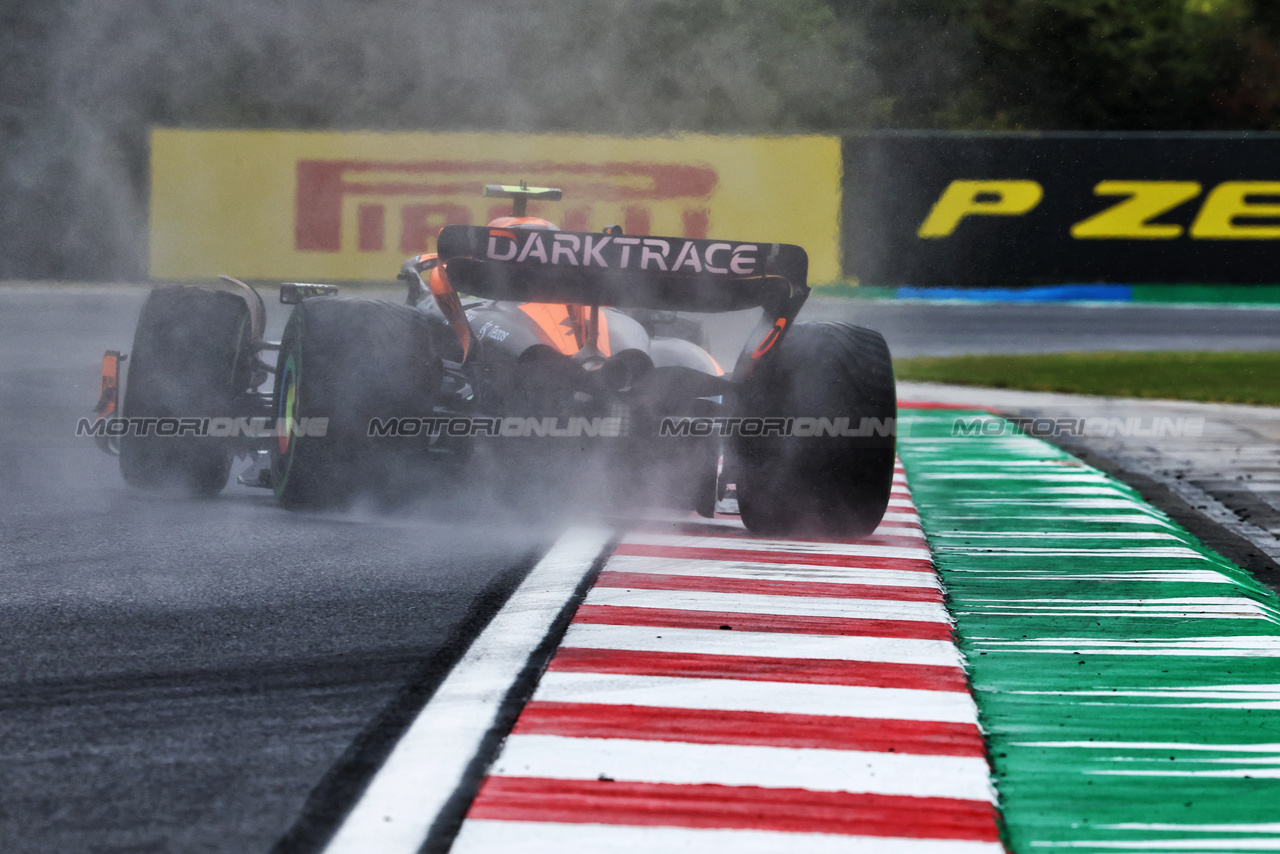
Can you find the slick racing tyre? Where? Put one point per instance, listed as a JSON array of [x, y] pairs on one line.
[[812, 482], [192, 355], [343, 363]]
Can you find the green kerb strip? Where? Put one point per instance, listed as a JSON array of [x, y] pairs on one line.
[[1128, 678]]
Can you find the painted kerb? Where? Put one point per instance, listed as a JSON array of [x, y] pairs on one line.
[[1125, 675]]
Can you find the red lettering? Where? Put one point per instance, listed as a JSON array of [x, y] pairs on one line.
[[635, 220], [371, 227], [322, 185], [696, 223], [317, 221], [577, 219], [419, 224]]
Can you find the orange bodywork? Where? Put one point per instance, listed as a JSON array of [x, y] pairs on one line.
[[521, 222], [447, 299], [108, 397], [567, 326], [770, 339]]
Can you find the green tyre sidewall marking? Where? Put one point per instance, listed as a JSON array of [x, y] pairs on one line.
[[285, 414], [287, 406]]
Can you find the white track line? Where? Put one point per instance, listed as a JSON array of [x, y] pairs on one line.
[[784, 698], [774, 571], [763, 644], [799, 606], [855, 550], [537, 837], [815, 769], [402, 801]]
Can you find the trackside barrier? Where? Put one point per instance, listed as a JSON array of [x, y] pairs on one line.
[[322, 206], [933, 208]]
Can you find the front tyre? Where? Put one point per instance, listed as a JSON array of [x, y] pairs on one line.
[[192, 355], [832, 378], [344, 363]]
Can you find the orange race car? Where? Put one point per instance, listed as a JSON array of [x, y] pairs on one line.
[[542, 354]]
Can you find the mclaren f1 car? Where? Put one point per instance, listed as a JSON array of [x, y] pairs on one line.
[[529, 349]]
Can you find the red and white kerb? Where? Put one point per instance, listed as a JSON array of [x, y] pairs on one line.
[[721, 692]]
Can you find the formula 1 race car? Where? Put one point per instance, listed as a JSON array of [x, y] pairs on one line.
[[572, 355]]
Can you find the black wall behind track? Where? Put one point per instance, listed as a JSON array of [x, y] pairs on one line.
[[893, 179]]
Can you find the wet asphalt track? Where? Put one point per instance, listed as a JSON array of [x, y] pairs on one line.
[[181, 675], [197, 676], [946, 329]]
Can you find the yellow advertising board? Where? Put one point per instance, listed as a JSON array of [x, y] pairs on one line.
[[324, 206]]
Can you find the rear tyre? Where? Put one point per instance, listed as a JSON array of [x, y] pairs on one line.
[[192, 355], [343, 363], [824, 485]]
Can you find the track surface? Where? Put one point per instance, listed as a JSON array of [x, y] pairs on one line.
[[183, 676], [946, 329]]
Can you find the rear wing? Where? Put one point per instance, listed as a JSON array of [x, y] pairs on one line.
[[626, 271]]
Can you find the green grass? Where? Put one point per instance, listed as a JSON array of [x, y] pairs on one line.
[[1218, 377]]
